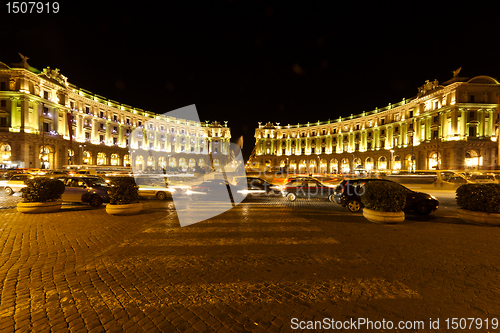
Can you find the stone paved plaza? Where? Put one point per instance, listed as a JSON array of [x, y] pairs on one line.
[[253, 268]]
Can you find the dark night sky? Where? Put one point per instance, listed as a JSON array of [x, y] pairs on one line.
[[253, 61]]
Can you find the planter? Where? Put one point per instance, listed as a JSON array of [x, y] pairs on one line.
[[39, 207], [128, 209], [471, 216], [383, 217]]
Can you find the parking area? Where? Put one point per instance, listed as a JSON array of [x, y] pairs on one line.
[[253, 268]]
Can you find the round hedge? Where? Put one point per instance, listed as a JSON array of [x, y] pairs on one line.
[[479, 197], [123, 191], [383, 196], [42, 190]]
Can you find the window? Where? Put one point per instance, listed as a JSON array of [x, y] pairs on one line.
[[101, 138], [411, 114], [435, 105], [369, 145], [283, 135], [357, 127], [303, 134], [128, 121], [87, 135], [150, 126], [87, 110], [323, 150], [334, 131], [45, 94], [303, 150], [435, 134], [72, 105], [396, 129], [396, 117], [471, 99], [3, 103], [383, 132], [3, 122], [115, 129], [324, 132], [472, 131], [435, 119], [471, 115], [2, 86], [370, 134], [115, 117], [101, 125], [382, 143], [283, 152], [102, 114], [382, 122], [140, 123]]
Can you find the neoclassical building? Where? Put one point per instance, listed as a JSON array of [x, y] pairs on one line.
[[47, 122], [453, 125]]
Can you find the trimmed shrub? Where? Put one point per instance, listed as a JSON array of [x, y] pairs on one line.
[[42, 190], [123, 191], [384, 196], [479, 197]]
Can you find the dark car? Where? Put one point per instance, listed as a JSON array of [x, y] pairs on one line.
[[93, 190], [256, 186], [306, 187], [349, 191], [214, 189]]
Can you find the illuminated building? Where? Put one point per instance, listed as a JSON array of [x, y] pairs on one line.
[[457, 121], [37, 109]]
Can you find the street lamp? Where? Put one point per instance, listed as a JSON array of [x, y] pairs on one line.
[[412, 160], [392, 160], [81, 155]]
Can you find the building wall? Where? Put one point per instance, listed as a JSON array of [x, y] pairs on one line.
[[37, 111], [458, 119]]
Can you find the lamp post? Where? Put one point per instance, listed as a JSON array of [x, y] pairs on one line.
[[392, 160], [437, 142], [81, 155], [412, 162], [318, 170]]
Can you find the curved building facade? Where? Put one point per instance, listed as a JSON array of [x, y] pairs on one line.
[[47, 122], [453, 125]]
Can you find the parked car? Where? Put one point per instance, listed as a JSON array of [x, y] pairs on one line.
[[91, 189], [306, 187], [485, 178], [256, 186], [154, 187], [349, 191], [16, 183]]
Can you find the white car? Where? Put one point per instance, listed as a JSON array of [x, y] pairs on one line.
[[16, 183]]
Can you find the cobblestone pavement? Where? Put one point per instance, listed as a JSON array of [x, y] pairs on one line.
[[253, 268]]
